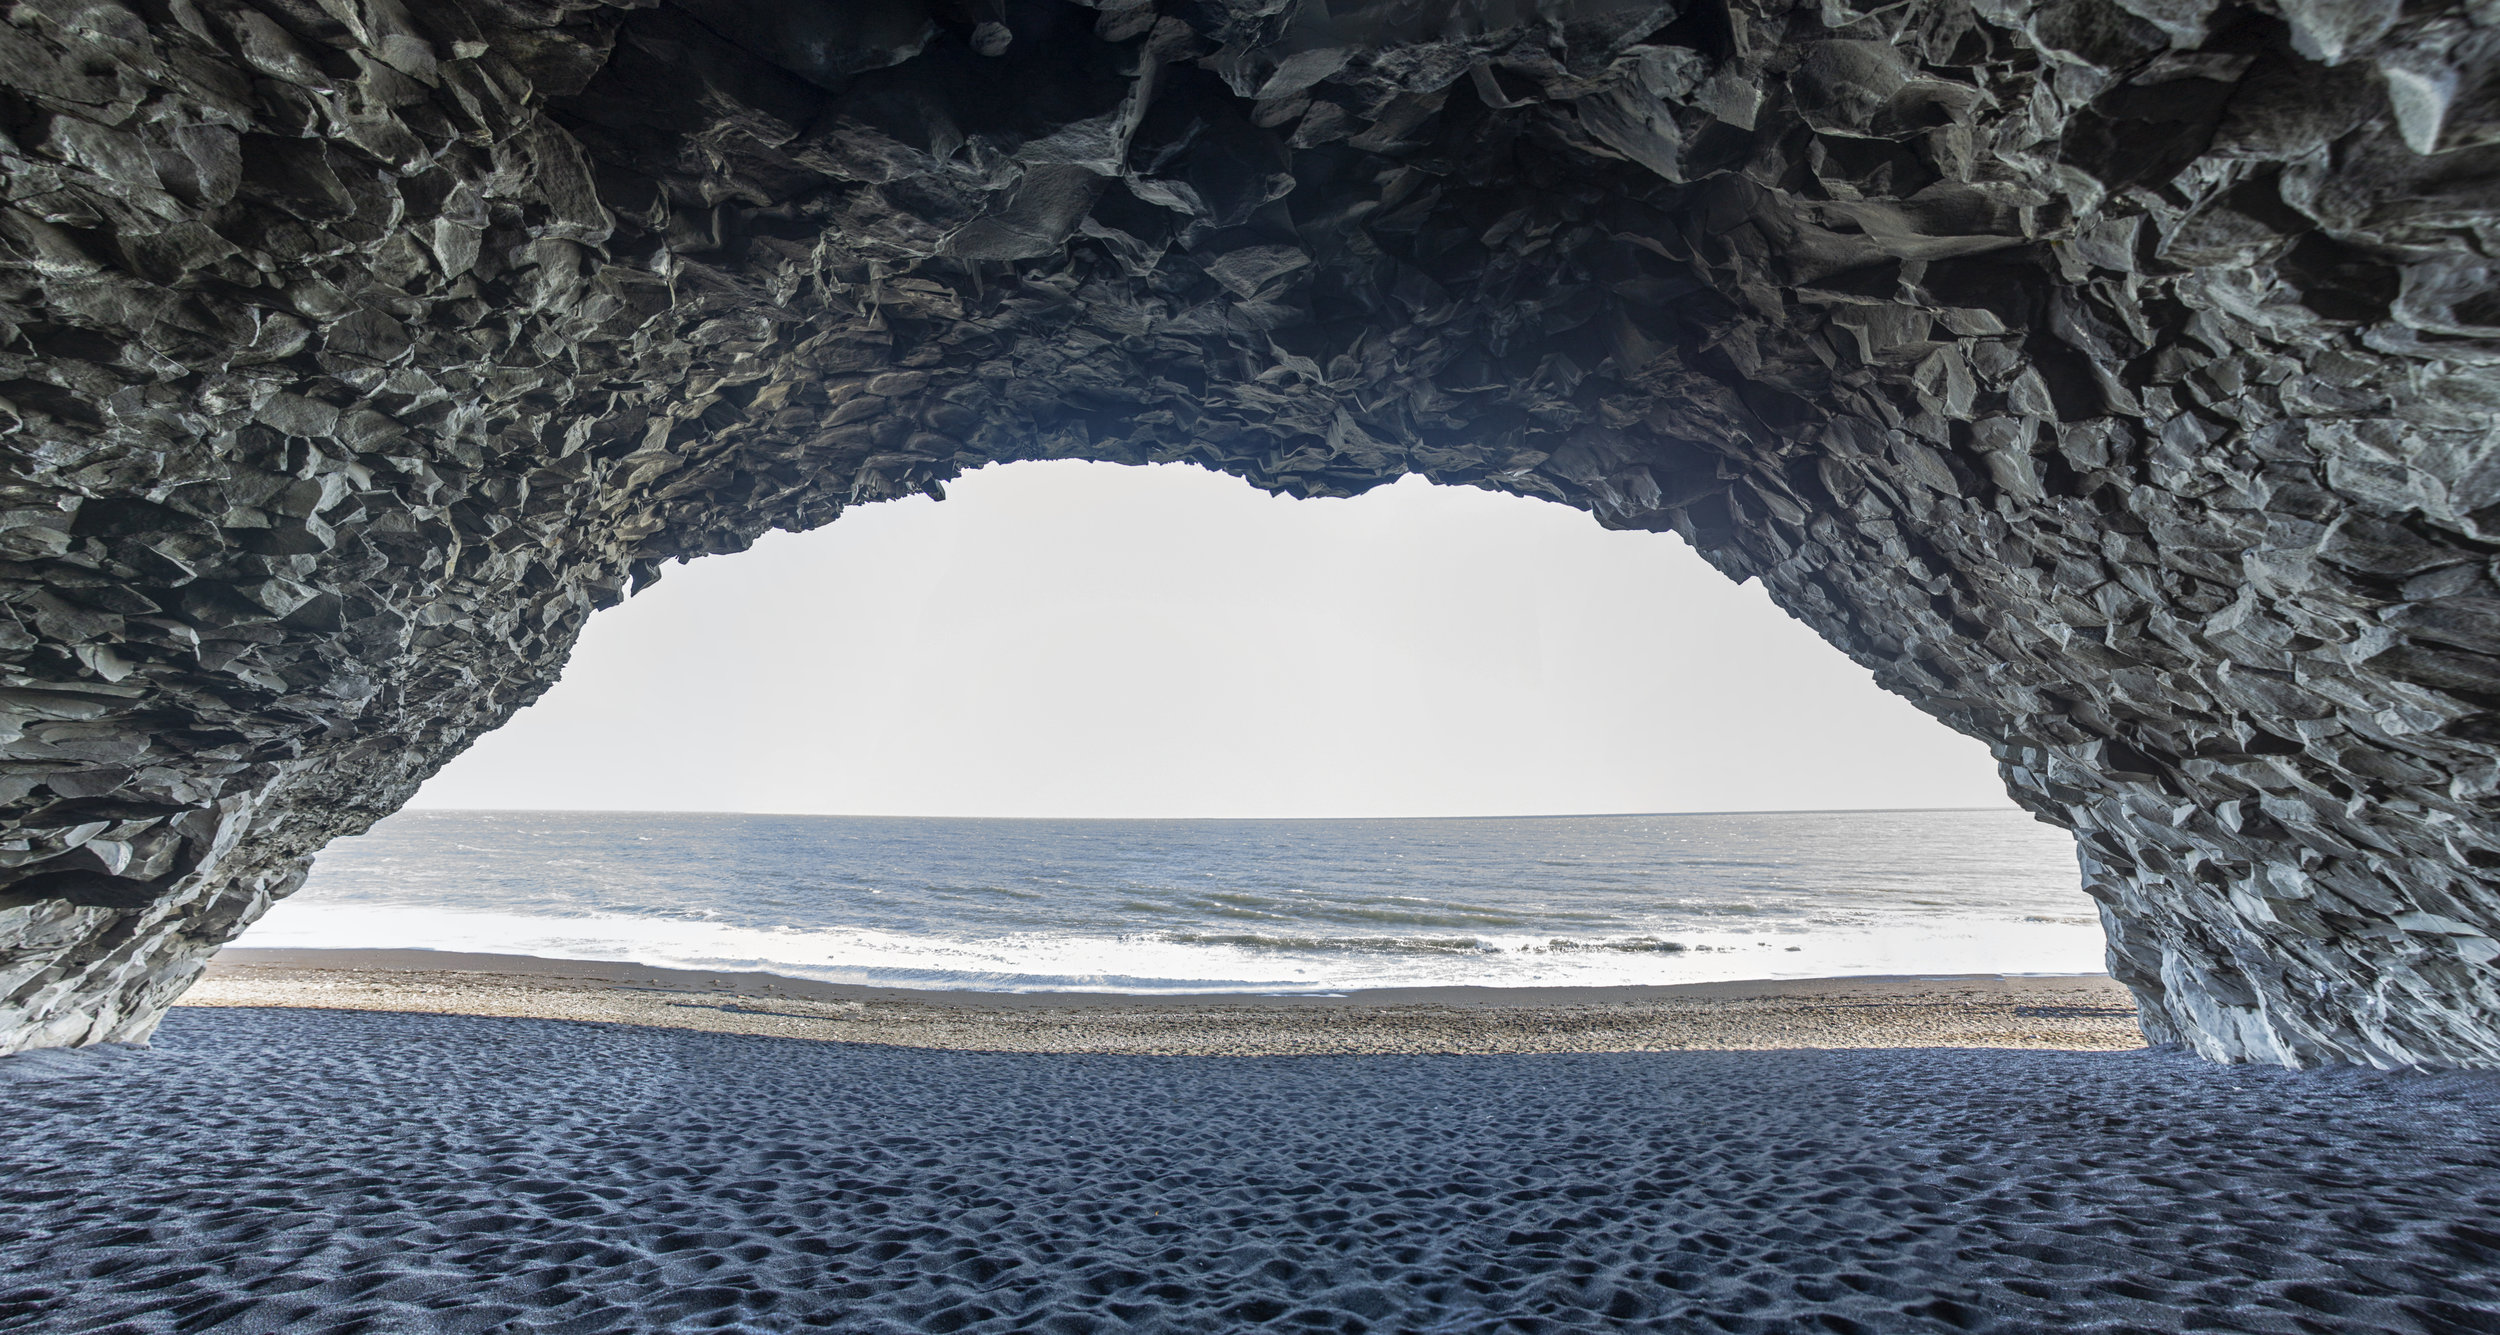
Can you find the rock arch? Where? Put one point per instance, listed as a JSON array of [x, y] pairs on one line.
[[2112, 377]]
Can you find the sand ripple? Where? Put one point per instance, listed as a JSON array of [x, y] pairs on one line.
[[330, 1170]]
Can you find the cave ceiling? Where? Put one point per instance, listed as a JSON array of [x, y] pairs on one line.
[[2114, 381]]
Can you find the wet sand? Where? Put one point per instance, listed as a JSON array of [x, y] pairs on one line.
[[269, 1169], [1972, 1011]]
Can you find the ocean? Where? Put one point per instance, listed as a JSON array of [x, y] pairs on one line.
[[1306, 906]]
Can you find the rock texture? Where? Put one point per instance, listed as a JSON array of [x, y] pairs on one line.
[[2115, 380]]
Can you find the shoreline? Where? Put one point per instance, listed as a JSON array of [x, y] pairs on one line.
[[2055, 1012]]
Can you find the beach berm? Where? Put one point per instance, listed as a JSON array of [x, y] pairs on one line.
[[1966, 1011]]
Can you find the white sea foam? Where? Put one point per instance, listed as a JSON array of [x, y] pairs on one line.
[[1160, 906], [1153, 962]]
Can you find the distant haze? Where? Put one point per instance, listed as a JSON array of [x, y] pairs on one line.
[[1072, 639]]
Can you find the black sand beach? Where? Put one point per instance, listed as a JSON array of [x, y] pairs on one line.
[[301, 1169]]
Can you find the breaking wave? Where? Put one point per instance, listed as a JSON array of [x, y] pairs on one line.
[[1179, 906]]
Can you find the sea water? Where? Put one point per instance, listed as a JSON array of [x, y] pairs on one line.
[[1222, 905]]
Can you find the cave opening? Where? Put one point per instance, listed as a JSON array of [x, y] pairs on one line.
[[1144, 728]]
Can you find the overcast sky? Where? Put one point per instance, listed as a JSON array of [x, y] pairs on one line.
[[1072, 639]]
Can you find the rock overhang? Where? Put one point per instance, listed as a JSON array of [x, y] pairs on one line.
[[2112, 380]]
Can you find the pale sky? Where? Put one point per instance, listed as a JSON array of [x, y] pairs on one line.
[[1072, 639]]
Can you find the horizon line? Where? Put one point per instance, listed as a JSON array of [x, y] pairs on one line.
[[851, 815]]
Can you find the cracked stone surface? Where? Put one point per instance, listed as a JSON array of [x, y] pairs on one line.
[[2114, 380]]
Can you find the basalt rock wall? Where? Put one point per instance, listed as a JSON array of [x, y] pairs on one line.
[[2115, 380]]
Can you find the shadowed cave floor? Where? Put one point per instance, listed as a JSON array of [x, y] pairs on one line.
[[326, 1170]]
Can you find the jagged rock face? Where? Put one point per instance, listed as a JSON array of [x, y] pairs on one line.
[[2114, 380]]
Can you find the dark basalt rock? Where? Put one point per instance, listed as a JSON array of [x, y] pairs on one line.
[[2113, 379]]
